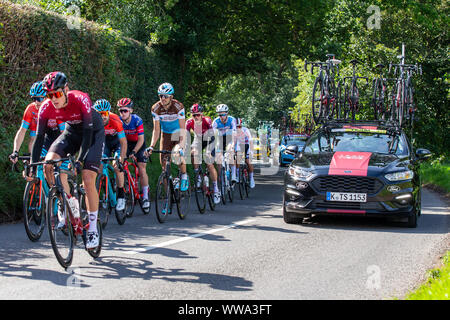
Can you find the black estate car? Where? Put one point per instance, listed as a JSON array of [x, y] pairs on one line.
[[354, 169]]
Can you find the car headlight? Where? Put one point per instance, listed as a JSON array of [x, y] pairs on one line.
[[300, 173], [398, 176]]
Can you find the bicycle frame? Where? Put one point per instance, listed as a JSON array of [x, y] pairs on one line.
[[134, 180], [110, 193]]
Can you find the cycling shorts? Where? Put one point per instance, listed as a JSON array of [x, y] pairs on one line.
[[209, 145], [112, 147], [69, 142], [140, 154]]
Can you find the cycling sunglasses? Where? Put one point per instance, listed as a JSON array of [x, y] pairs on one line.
[[38, 99], [56, 94], [104, 113], [124, 110], [197, 115], [223, 115], [164, 96]]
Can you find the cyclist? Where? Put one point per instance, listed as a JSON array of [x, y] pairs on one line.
[[115, 143], [244, 142], [29, 120], [225, 126], [134, 132], [202, 127], [84, 132], [168, 119]]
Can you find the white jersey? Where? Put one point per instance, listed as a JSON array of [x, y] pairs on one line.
[[243, 136]]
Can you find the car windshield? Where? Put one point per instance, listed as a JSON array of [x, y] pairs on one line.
[[299, 143], [359, 141]]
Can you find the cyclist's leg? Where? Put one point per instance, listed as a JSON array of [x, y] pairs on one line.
[[143, 176], [250, 165], [89, 176]]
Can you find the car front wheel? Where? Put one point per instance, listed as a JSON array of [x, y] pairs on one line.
[[288, 218]]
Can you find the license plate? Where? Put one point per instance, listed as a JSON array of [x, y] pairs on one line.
[[346, 197]]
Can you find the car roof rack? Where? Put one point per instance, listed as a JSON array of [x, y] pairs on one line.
[[392, 127]]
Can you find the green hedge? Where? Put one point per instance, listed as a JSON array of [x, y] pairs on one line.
[[96, 59]]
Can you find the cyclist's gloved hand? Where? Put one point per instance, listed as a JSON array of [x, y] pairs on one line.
[[148, 151], [78, 167], [13, 157]]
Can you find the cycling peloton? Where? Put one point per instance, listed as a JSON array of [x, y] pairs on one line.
[[203, 138], [115, 143], [84, 132], [134, 132], [225, 127], [168, 120], [244, 143]]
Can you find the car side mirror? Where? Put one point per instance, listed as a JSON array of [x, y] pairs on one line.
[[292, 150], [423, 154]]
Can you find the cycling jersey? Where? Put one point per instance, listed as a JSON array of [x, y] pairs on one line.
[[29, 120], [169, 118], [243, 136], [81, 125], [226, 128], [114, 127], [197, 128], [134, 128]]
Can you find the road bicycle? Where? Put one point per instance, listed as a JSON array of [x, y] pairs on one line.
[[132, 188], [226, 186], [380, 95], [107, 192], [403, 100], [325, 93], [168, 191], [34, 200], [203, 190], [350, 102], [243, 180], [63, 227]]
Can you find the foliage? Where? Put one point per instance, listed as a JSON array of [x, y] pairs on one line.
[[423, 28], [96, 59], [436, 173]]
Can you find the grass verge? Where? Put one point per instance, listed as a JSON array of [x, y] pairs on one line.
[[437, 287]]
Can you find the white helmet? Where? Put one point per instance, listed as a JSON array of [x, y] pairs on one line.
[[222, 108], [166, 88]]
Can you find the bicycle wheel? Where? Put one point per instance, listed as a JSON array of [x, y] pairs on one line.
[[103, 200], [33, 210], [354, 98], [129, 197], [200, 188], [223, 185], [318, 100], [246, 182], [183, 199], [376, 104], [163, 200], [61, 237], [230, 188], [241, 184]]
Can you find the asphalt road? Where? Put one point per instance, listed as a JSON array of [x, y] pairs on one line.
[[241, 251]]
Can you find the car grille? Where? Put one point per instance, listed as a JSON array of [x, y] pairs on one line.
[[347, 184]]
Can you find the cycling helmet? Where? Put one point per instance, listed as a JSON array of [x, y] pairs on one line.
[[222, 108], [165, 88], [125, 102], [102, 105], [37, 90], [54, 81], [196, 108], [239, 122]]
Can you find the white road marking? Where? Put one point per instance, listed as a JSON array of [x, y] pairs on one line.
[[197, 235]]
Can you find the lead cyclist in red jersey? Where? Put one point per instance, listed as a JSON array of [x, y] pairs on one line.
[[84, 132]]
